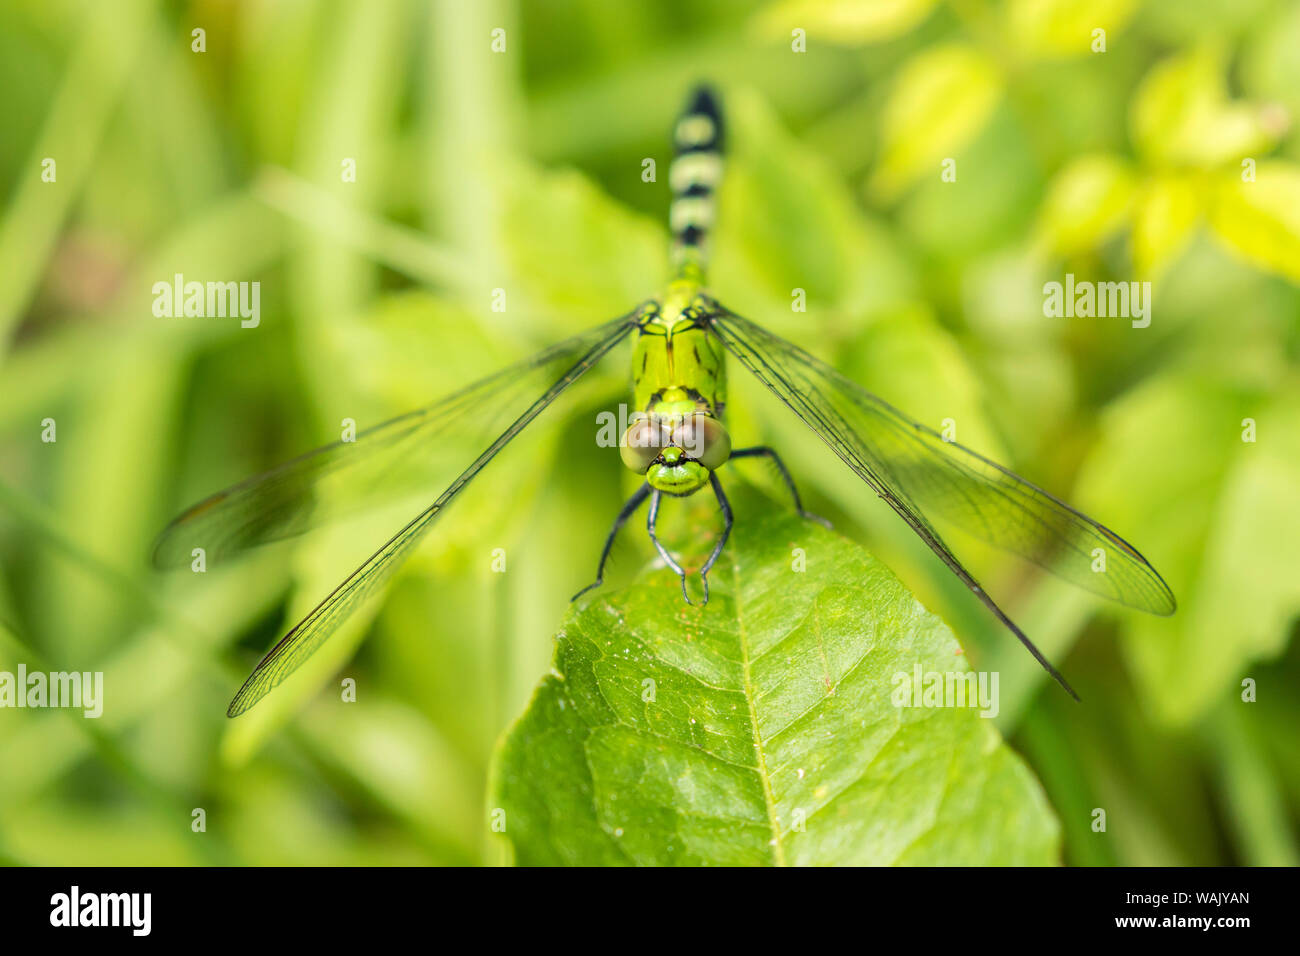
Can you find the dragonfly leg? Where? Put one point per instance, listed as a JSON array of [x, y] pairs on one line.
[[630, 506], [722, 539], [663, 552], [766, 451]]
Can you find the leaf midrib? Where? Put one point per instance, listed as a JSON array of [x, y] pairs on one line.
[[778, 851]]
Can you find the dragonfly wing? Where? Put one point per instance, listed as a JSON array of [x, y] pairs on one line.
[[917, 466], [551, 373], [408, 454], [919, 474]]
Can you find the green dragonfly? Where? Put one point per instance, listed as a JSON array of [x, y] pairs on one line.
[[677, 440]]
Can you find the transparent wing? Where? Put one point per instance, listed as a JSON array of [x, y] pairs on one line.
[[285, 498], [919, 474], [410, 454]]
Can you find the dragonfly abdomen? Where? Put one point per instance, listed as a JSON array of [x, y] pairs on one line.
[[694, 176]]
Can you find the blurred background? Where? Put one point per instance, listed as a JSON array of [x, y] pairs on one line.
[[1164, 149]]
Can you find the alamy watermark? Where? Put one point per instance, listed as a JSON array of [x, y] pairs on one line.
[[1123, 300], [178, 298], [614, 430], [73, 689], [946, 689], [133, 911]]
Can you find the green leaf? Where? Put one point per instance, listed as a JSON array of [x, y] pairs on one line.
[[846, 22], [939, 102], [1051, 29], [1088, 201], [762, 728], [1181, 114], [1164, 219], [1260, 220]]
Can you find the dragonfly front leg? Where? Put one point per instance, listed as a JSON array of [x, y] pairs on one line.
[[726, 532], [630, 506], [663, 552], [766, 451]]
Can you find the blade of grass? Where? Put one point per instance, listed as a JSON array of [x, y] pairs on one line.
[[164, 800], [234, 236], [1256, 810], [100, 63], [400, 248]]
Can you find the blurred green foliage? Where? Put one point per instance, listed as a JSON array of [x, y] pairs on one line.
[[522, 171]]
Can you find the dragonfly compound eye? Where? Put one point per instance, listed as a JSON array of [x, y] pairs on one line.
[[642, 443], [703, 438]]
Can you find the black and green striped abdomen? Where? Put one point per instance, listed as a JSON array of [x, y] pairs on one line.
[[694, 176]]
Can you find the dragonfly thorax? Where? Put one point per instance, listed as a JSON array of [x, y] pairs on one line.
[[677, 349], [679, 390]]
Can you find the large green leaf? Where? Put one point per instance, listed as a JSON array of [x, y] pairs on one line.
[[762, 728]]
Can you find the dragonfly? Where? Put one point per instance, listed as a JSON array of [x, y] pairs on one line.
[[677, 441]]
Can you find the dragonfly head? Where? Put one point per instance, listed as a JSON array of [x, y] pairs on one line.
[[676, 454], [675, 474]]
